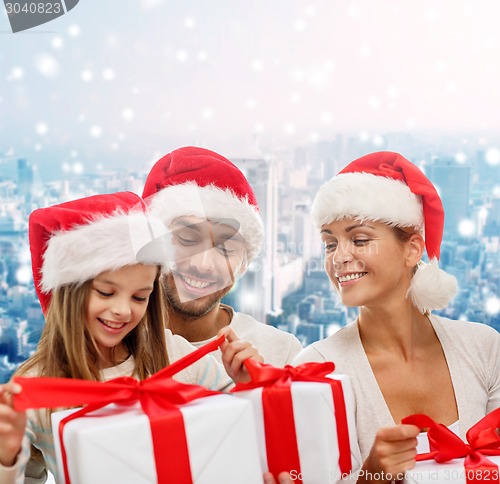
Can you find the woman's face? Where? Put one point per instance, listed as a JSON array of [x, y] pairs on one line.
[[117, 303], [365, 261]]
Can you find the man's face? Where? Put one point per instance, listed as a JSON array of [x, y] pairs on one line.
[[207, 257]]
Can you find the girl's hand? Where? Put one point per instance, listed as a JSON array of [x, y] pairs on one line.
[[392, 453], [283, 478], [12, 425], [234, 352]]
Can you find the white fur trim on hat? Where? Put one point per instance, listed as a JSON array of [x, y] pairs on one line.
[[189, 199], [104, 244], [366, 196]]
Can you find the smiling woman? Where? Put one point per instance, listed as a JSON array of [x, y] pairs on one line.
[[377, 218]]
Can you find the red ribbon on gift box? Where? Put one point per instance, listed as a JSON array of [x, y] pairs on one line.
[[159, 396], [482, 440], [279, 423]]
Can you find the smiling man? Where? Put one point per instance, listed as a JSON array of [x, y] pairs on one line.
[[215, 231]]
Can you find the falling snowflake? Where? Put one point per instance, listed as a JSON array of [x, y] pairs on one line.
[[41, 129], [461, 158], [108, 74], [326, 117], [207, 114], [289, 129], [87, 75], [128, 114], [492, 306], [16, 73], [95, 131], [74, 30], [47, 66], [189, 22], [493, 156], [466, 228], [202, 56], [258, 128], [77, 168], [57, 42], [181, 56], [24, 275], [257, 65], [250, 103]]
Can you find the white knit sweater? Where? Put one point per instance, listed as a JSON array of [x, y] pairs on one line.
[[472, 351]]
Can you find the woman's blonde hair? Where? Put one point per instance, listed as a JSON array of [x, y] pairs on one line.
[[67, 350]]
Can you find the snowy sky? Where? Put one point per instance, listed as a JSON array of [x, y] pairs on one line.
[[123, 81]]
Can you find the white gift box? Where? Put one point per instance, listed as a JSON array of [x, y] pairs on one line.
[[114, 444], [452, 472], [316, 429]]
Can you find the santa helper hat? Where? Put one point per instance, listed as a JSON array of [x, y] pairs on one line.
[[386, 187], [75, 241], [193, 181]]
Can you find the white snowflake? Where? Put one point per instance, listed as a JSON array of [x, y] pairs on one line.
[[257, 65], [74, 30], [87, 75], [189, 22], [41, 129], [207, 114], [466, 228], [95, 131], [108, 74], [182, 56], [57, 42], [24, 275], [128, 114], [492, 306], [493, 156], [47, 66], [77, 168], [16, 73]]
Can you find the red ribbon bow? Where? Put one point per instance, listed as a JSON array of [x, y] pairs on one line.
[[159, 396], [281, 437], [482, 440]]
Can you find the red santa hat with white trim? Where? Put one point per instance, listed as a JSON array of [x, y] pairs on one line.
[[75, 241], [192, 181], [386, 187]]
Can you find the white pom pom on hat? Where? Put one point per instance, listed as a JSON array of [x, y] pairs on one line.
[[386, 187]]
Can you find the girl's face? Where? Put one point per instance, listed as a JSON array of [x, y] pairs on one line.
[[117, 302], [365, 262]]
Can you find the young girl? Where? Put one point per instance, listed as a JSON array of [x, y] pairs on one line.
[[376, 218], [96, 263]]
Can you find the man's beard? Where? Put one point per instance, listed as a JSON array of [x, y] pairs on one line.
[[195, 308]]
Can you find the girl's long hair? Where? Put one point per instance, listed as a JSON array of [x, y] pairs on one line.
[[67, 350]]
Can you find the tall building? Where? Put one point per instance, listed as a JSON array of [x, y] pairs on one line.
[[452, 181], [24, 178], [255, 292]]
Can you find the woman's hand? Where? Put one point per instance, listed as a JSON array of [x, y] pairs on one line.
[[12, 425], [234, 352], [392, 453]]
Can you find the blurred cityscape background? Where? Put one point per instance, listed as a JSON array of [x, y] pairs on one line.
[[286, 286]]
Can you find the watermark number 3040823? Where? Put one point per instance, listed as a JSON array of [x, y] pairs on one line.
[[26, 14]]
